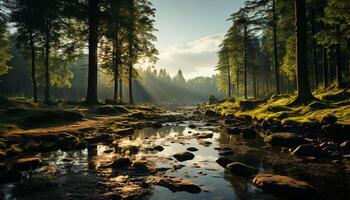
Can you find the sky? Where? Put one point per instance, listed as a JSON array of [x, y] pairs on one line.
[[189, 33]]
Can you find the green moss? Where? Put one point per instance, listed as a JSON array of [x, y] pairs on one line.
[[277, 109]]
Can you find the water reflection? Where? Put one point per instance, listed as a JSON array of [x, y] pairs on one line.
[[78, 174]]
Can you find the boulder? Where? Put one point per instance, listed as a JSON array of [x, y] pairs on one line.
[[241, 169], [308, 150], [284, 139], [23, 164], [158, 148], [223, 161], [184, 156], [284, 186], [249, 133], [193, 149], [175, 184]]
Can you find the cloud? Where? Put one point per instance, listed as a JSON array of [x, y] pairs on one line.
[[194, 58]]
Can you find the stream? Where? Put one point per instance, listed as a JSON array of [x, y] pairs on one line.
[[81, 174]]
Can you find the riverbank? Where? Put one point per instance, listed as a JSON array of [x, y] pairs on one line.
[[145, 152]]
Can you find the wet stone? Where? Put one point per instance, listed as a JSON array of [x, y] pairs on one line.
[[175, 184], [284, 186], [193, 149], [158, 148], [223, 161], [308, 150], [184, 156], [241, 169]]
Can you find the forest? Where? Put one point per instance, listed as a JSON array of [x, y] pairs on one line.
[[86, 112]]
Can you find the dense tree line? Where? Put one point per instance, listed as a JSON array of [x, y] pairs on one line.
[[282, 46], [54, 35]]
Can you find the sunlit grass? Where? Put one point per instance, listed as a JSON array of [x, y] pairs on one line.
[[333, 101]]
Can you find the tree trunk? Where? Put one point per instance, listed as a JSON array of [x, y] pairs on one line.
[[245, 61], [120, 86], [237, 82], [314, 48], [254, 85], [229, 78], [304, 94], [131, 32], [46, 63], [325, 67], [35, 86], [91, 97], [339, 77], [331, 68], [278, 91]]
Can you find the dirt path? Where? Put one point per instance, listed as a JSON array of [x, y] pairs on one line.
[[91, 122]]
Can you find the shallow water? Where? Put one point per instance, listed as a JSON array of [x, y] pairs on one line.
[[81, 178]]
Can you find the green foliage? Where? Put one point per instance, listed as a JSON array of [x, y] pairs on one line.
[[4, 46]]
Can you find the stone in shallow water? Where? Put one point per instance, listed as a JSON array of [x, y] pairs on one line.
[[175, 184], [223, 161], [184, 156], [192, 149], [284, 186], [241, 169], [158, 148], [308, 150]]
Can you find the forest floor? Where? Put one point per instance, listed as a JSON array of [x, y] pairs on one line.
[[330, 102], [310, 143]]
